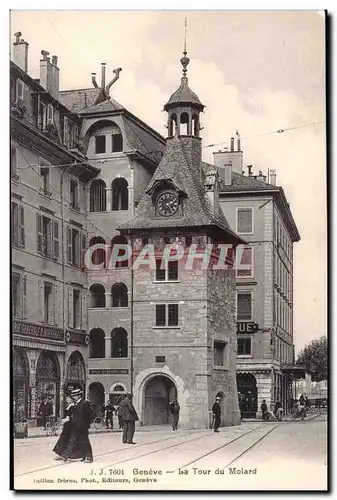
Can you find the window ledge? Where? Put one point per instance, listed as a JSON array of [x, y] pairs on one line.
[[166, 281], [220, 368], [244, 356], [166, 327]]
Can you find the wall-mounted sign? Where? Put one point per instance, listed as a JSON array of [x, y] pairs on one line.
[[37, 331], [109, 371], [77, 338], [246, 327]]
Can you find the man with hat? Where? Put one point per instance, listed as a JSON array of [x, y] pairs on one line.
[[216, 409], [79, 445], [129, 417]]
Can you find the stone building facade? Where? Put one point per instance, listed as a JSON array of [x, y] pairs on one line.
[[85, 171], [259, 212]]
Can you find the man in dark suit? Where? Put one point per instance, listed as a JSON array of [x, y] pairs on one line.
[[216, 409], [108, 410], [129, 417], [79, 445]]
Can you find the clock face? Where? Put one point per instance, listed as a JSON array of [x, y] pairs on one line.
[[167, 204]]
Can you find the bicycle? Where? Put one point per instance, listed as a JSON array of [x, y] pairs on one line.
[[53, 425], [99, 421]]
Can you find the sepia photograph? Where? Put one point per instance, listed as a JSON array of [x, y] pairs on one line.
[[168, 202]]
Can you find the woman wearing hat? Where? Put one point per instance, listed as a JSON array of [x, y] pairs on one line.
[[63, 440], [79, 445]]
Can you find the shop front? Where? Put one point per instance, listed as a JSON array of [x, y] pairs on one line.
[[20, 385], [47, 382], [75, 373]]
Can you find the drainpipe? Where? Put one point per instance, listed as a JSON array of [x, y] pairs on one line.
[[131, 316]]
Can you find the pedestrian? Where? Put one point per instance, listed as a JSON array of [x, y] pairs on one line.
[[79, 445], [119, 416], [278, 410], [264, 410], [174, 410], [46, 410], [63, 440], [306, 402], [216, 409], [109, 409], [302, 400], [129, 417]]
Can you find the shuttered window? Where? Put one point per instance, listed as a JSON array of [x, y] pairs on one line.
[[18, 225], [244, 306], [245, 220]]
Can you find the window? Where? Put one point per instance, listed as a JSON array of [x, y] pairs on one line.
[[45, 185], [116, 143], [97, 296], [244, 220], [119, 293], [169, 273], [16, 295], [97, 196], [100, 144], [13, 164], [66, 131], [20, 86], [47, 237], [119, 343], [42, 116], [120, 194], [74, 139], [160, 359], [244, 306], [73, 246], [17, 225], [48, 305], [74, 194], [77, 309], [97, 343], [219, 353], [167, 315], [245, 263], [244, 347], [50, 114]]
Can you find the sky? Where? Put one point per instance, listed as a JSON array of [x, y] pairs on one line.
[[255, 71]]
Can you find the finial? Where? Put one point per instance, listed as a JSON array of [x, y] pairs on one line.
[[185, 60]]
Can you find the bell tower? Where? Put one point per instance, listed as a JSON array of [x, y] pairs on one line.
[[184, 106]]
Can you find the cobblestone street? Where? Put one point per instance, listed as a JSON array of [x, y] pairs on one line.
[[286, 456]]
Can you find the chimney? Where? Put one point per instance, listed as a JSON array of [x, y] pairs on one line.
[[228, 174], [260, 177], [212, 189], [272, 177], [20, 52], [49, 73], [249, 168], [221, 158], [103, 77]]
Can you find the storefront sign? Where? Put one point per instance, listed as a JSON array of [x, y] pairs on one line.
[[109, 371], [38, 331], [77, 338], [246, 327]]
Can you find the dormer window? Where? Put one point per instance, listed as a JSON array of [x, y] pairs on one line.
[[19, 89], [100, 144], [116, 139], [50, 115]]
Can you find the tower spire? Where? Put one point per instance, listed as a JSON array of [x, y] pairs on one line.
[[185, 60]]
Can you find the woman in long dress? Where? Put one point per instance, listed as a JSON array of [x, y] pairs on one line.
[[63, 440]]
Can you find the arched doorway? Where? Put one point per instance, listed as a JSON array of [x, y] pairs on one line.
[[247, 392], [117, 394], [48, 380], [96, 396], [75, 373], [20, 384], [158, 393]]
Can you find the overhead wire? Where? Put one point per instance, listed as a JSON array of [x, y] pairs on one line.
[[279, 131]]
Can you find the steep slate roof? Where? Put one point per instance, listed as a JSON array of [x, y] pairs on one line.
[[197, 209], [239, 182], [151, 146], [107, 105], [78, 100], [183, 95]]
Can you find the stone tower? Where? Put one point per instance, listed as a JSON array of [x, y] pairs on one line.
[[184, 334]]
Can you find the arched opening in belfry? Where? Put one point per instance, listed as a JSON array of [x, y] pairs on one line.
[[97, 196], [172, 126], [184, 124], [195, 125]]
